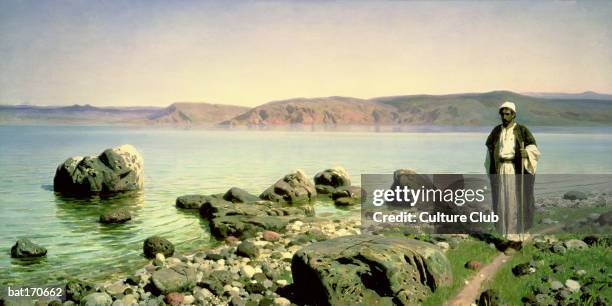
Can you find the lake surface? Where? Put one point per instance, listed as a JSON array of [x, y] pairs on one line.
[[179, 162]]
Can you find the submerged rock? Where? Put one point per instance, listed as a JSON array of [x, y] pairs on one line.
[[194, 201], [247, 219], [120, 215], [116, 169], [157, 244], [24, 248], [367, 269], [292, 188]]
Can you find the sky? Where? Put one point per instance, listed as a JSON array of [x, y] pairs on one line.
[[248, 53]]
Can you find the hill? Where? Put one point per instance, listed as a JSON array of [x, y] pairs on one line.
[[184, 113]]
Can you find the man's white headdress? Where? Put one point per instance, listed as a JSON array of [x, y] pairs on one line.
[[509, 105]]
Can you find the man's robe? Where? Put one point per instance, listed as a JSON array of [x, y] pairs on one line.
[[513, 197]]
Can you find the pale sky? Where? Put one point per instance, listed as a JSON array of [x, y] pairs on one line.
[[249, 53]]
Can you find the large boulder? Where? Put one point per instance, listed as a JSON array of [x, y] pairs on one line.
[[365, 269], [334, 177], [247, 219], [116, 169], [174, 279], [292, 188], [157, 244], [24, 248], [575, 195], [237, 195]]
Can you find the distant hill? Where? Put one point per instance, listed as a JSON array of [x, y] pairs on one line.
[[588, 95], [474, 109], [75, 114], [184, 113], [317, 111], [466, 109]]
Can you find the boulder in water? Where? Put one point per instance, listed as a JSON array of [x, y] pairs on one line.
[[157, 244], [292, 188], [117, 169], [334, 177], [24, 248], [237, 195], [120, 215]]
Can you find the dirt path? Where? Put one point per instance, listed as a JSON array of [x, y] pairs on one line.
[[472, 289]]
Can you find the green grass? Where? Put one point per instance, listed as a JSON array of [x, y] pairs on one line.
[[466, 250], [512, 289], [567, 215]]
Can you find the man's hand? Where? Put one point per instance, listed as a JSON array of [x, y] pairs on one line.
[[524, 153]]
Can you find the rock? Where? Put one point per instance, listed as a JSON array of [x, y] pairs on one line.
[[116, 289], [270, 236], [574, 195], [120, 215], [363, 268], [96, 299], [247, 249], [334, 177], [548, 221], [575, 244], [216, 280], [281, 301], [594, 216], [247, 271], [473, 265], [443, 245], [157, 244], [292, 188], [346, 201], [76, 290], [116, 169], [188, 299], [556, 285], [605, 218], [591, 240], [237, 195], [523, 269], [24, 248], [194, 201], [489, 297], [353, 192], [572, 285], [159, 260], [558, 248], [255, 288], [231, 240], [324, 189], [174, 299], [246, 220], [177, 278]]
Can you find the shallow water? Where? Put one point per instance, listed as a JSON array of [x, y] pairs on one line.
[[179, 162]]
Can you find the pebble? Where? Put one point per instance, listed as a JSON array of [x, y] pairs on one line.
[[572, 285], [247, 271], [556, 285], [443, 245], [159, 260], [281, 301]]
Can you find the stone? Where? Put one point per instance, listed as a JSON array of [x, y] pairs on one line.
[[489, 297], [188, 299], [24, 248], [591, 240], [605, 218], [247, 249], [194, 201], [116, 169], [270, 236], [473, 265], [255, 288], [443, 245], [345, 201], [352, 192], [174, 279], [281, 301], [334, 177], [292, 188], [575, 244], [556, 285], [572, 285], [324, 189], [97, 299], [174, 299], [119, 215], [575, 195], [247, 220], [523, 269], [558, 248], [237, 195], [116, 289], [76, 289], [216, 280], [247, 271], [159, 260], [364, 268], [157, 244]]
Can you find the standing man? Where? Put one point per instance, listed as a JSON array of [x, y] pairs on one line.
[[512, 159]]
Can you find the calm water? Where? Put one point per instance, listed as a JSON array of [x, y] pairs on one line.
[[179, 162]]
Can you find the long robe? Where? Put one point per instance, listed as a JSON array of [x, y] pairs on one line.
[[512, 193]]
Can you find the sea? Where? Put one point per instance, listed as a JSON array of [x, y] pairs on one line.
[[197, 161]]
